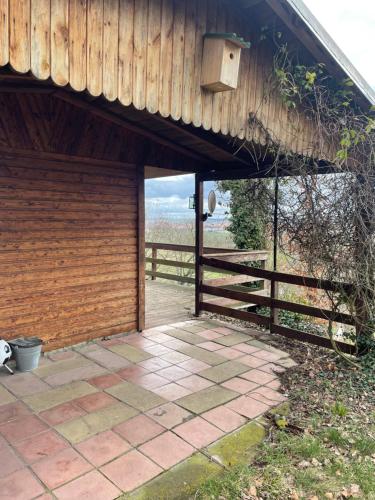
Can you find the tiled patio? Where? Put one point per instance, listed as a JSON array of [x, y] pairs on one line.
[[104, 418]]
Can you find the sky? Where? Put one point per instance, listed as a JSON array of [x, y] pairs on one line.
[[352, 26]]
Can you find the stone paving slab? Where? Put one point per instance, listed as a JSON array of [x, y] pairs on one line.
[[136, 396], [5, 396], [131, 353], [84, 427], [185, 336], [96, 420], [180, 482], [211, 358], [225, 371], [206, 399], [24, 384], [53, 397], [61, 366], [232, 339]]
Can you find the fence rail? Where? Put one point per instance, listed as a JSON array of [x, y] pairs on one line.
[[163, 258], [273, 302]]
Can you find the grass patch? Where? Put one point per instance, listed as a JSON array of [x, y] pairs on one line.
[[328, 451]]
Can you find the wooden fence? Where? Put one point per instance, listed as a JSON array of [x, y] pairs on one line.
[[272, 302], [231, 287], [161, 257]]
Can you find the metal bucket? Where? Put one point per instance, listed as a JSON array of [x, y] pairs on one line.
[[26, 353]]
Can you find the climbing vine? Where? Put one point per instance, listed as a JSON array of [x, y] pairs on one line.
[[327, 218]]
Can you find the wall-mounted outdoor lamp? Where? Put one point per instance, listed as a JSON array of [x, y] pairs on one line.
[[221, 61], [211, 204]]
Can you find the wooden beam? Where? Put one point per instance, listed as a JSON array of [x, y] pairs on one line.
[[141, 248]]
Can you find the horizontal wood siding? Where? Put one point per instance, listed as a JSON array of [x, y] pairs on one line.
[[68, 223], [148, 53], [68, 267]]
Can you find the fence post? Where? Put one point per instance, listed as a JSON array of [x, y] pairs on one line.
[[274, 316], [154, 256], [274, 312], [198, 242]]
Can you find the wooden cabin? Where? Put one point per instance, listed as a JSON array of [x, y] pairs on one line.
[[96, 95]]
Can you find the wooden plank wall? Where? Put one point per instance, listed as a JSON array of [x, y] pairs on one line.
[[148, 53], [68, 248], [68, 225]]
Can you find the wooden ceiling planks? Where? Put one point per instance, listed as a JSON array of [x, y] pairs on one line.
[[148, 53]]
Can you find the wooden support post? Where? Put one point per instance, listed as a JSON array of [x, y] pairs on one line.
[[198, 242], [154, 267], [141, 248], [274, 284]]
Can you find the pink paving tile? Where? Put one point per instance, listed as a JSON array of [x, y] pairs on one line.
[[224, 418], [154, 364], [105, 381], [230, 353], [40, 446], [223, 330], [62, 355], [95, 401], [45, 496], [251, 361], [150, 381], [9, 462], [210, 346], [267, 355], [24, 384], [194, 365], [90, 486], [157, 350], [139, 429], [210, 334], [198, 432], [239, 385], [246, 348], [175, 357], [102, 448], [131, 372], [60, 468], [173, 373], [140, 342], [109, 342], [167, 450], [21, 485], [195, 383], [258, 376], [169, 415], [13, 410], [150, 332], [176, 344], [272, 368], [131, 470], [274, 384], [80, 373], [161, 338], [61, 413], [172, 391], [22, 428], [248, 407], [267, 395]]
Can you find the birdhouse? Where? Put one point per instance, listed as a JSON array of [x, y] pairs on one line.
[[221, 61]]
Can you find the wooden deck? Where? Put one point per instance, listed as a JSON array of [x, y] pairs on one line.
[[168, 303]]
